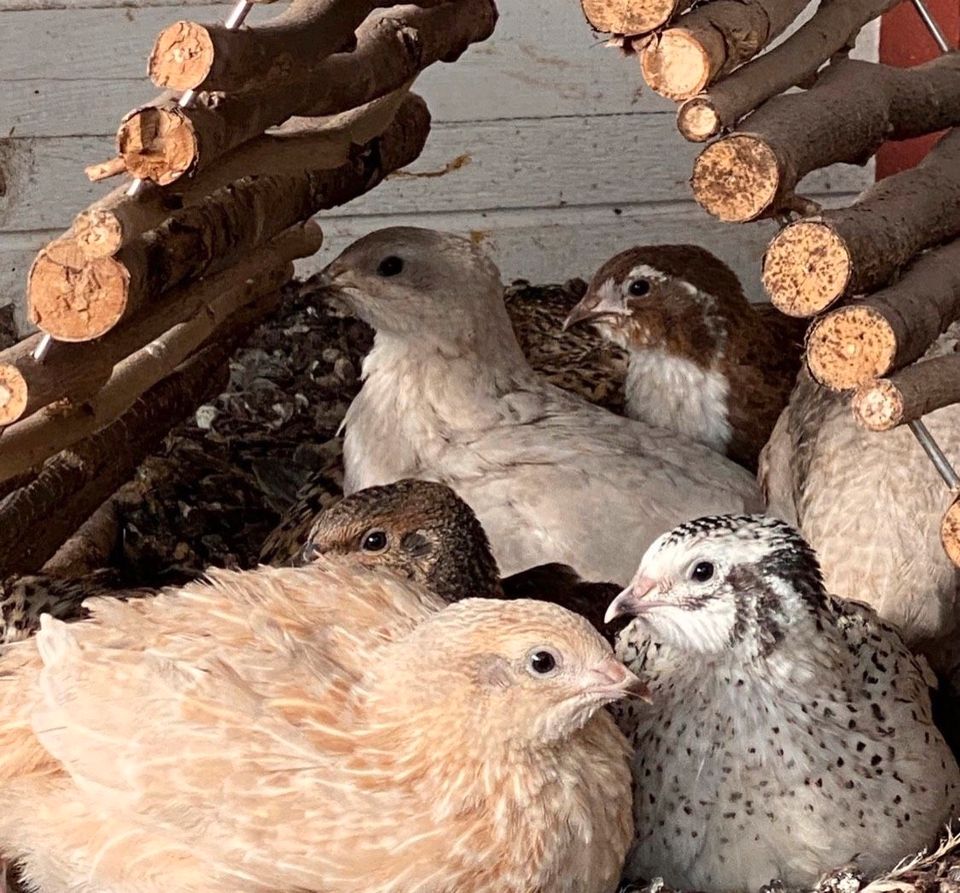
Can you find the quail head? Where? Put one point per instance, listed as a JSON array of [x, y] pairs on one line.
[[703, 361], [789, 732], [424, 532]]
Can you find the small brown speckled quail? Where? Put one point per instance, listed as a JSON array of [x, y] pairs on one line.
[[789, 731], [424, 532]]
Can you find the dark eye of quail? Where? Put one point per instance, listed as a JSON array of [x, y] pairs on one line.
[[542, 662], [374, 541], [390, 266], [702, 571], [639, 287]]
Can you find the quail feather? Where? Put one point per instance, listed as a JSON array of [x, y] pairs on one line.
[[326, 728], [448, 395], [871, 503], [789, 731]]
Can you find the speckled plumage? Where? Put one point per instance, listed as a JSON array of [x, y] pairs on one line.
[[313, 729], [433, 538], [870, 504], [447, 395], [703, 360], [789, 731]]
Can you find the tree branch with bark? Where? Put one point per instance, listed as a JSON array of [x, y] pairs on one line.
[[711, 41], [832, 29], [812, 263], [890, 329], [853, 108], [909, 394]]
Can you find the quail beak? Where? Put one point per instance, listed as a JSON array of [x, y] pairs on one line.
[[631, 601], [611, 678], [603, 301]]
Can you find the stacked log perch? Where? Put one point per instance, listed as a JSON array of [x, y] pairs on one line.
[[148, 293], [880, 279]]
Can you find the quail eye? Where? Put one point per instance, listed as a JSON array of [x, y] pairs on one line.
[[702, 571], [638, 287], [390, 266], [542, 662], [373, 541]]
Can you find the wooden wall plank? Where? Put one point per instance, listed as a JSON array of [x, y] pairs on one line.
[[519, 163]]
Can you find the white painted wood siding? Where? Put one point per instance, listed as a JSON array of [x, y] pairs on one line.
[[570, 158]]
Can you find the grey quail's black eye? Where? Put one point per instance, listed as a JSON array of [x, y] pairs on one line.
[[639, 287], [702, 571], [374, 541], [390, 266], [542, 662]]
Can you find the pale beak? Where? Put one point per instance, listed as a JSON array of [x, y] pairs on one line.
[[630, 602], [612, 678], [604, 301]]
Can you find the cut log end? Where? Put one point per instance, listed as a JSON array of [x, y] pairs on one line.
[[631, 18], [98, 233], [736, 179], [158, 144], [806, 268], [849, 347], [878, 405], [73, 298], [697, 120], [13, 394], [181, 57], [950, 532], [681, 63]]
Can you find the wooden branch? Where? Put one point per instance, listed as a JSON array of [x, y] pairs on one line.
[[90, 547], [301, 145], [37, 519], [105, 169], [852, 109], [188, 55], [75, 300], [630, 17], [24, 444], [162, 142], [909, 394], [834, 27], [950, 532], [891, 328], [712, 40], [77, 371], [812, 263]]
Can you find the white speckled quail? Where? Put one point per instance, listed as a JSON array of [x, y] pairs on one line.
[[789, 731]]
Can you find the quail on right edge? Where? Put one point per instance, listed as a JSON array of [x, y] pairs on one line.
[[789, 731]]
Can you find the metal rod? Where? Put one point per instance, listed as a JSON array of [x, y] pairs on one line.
[[237, 15], [932, 26], [42, 349], [135, 186], [936, 455], [186, 100]]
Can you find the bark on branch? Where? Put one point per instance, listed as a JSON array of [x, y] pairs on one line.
[[845, 117], [76, 371], [711, 41], [188, 55], [834, 27], [37, 519], [30, 441], [162, 142], [891, 328], [75, 299], [812, 263], [631, 17], [909, 394], [301, 145]]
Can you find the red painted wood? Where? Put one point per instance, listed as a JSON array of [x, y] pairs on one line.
[[905, 40]]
